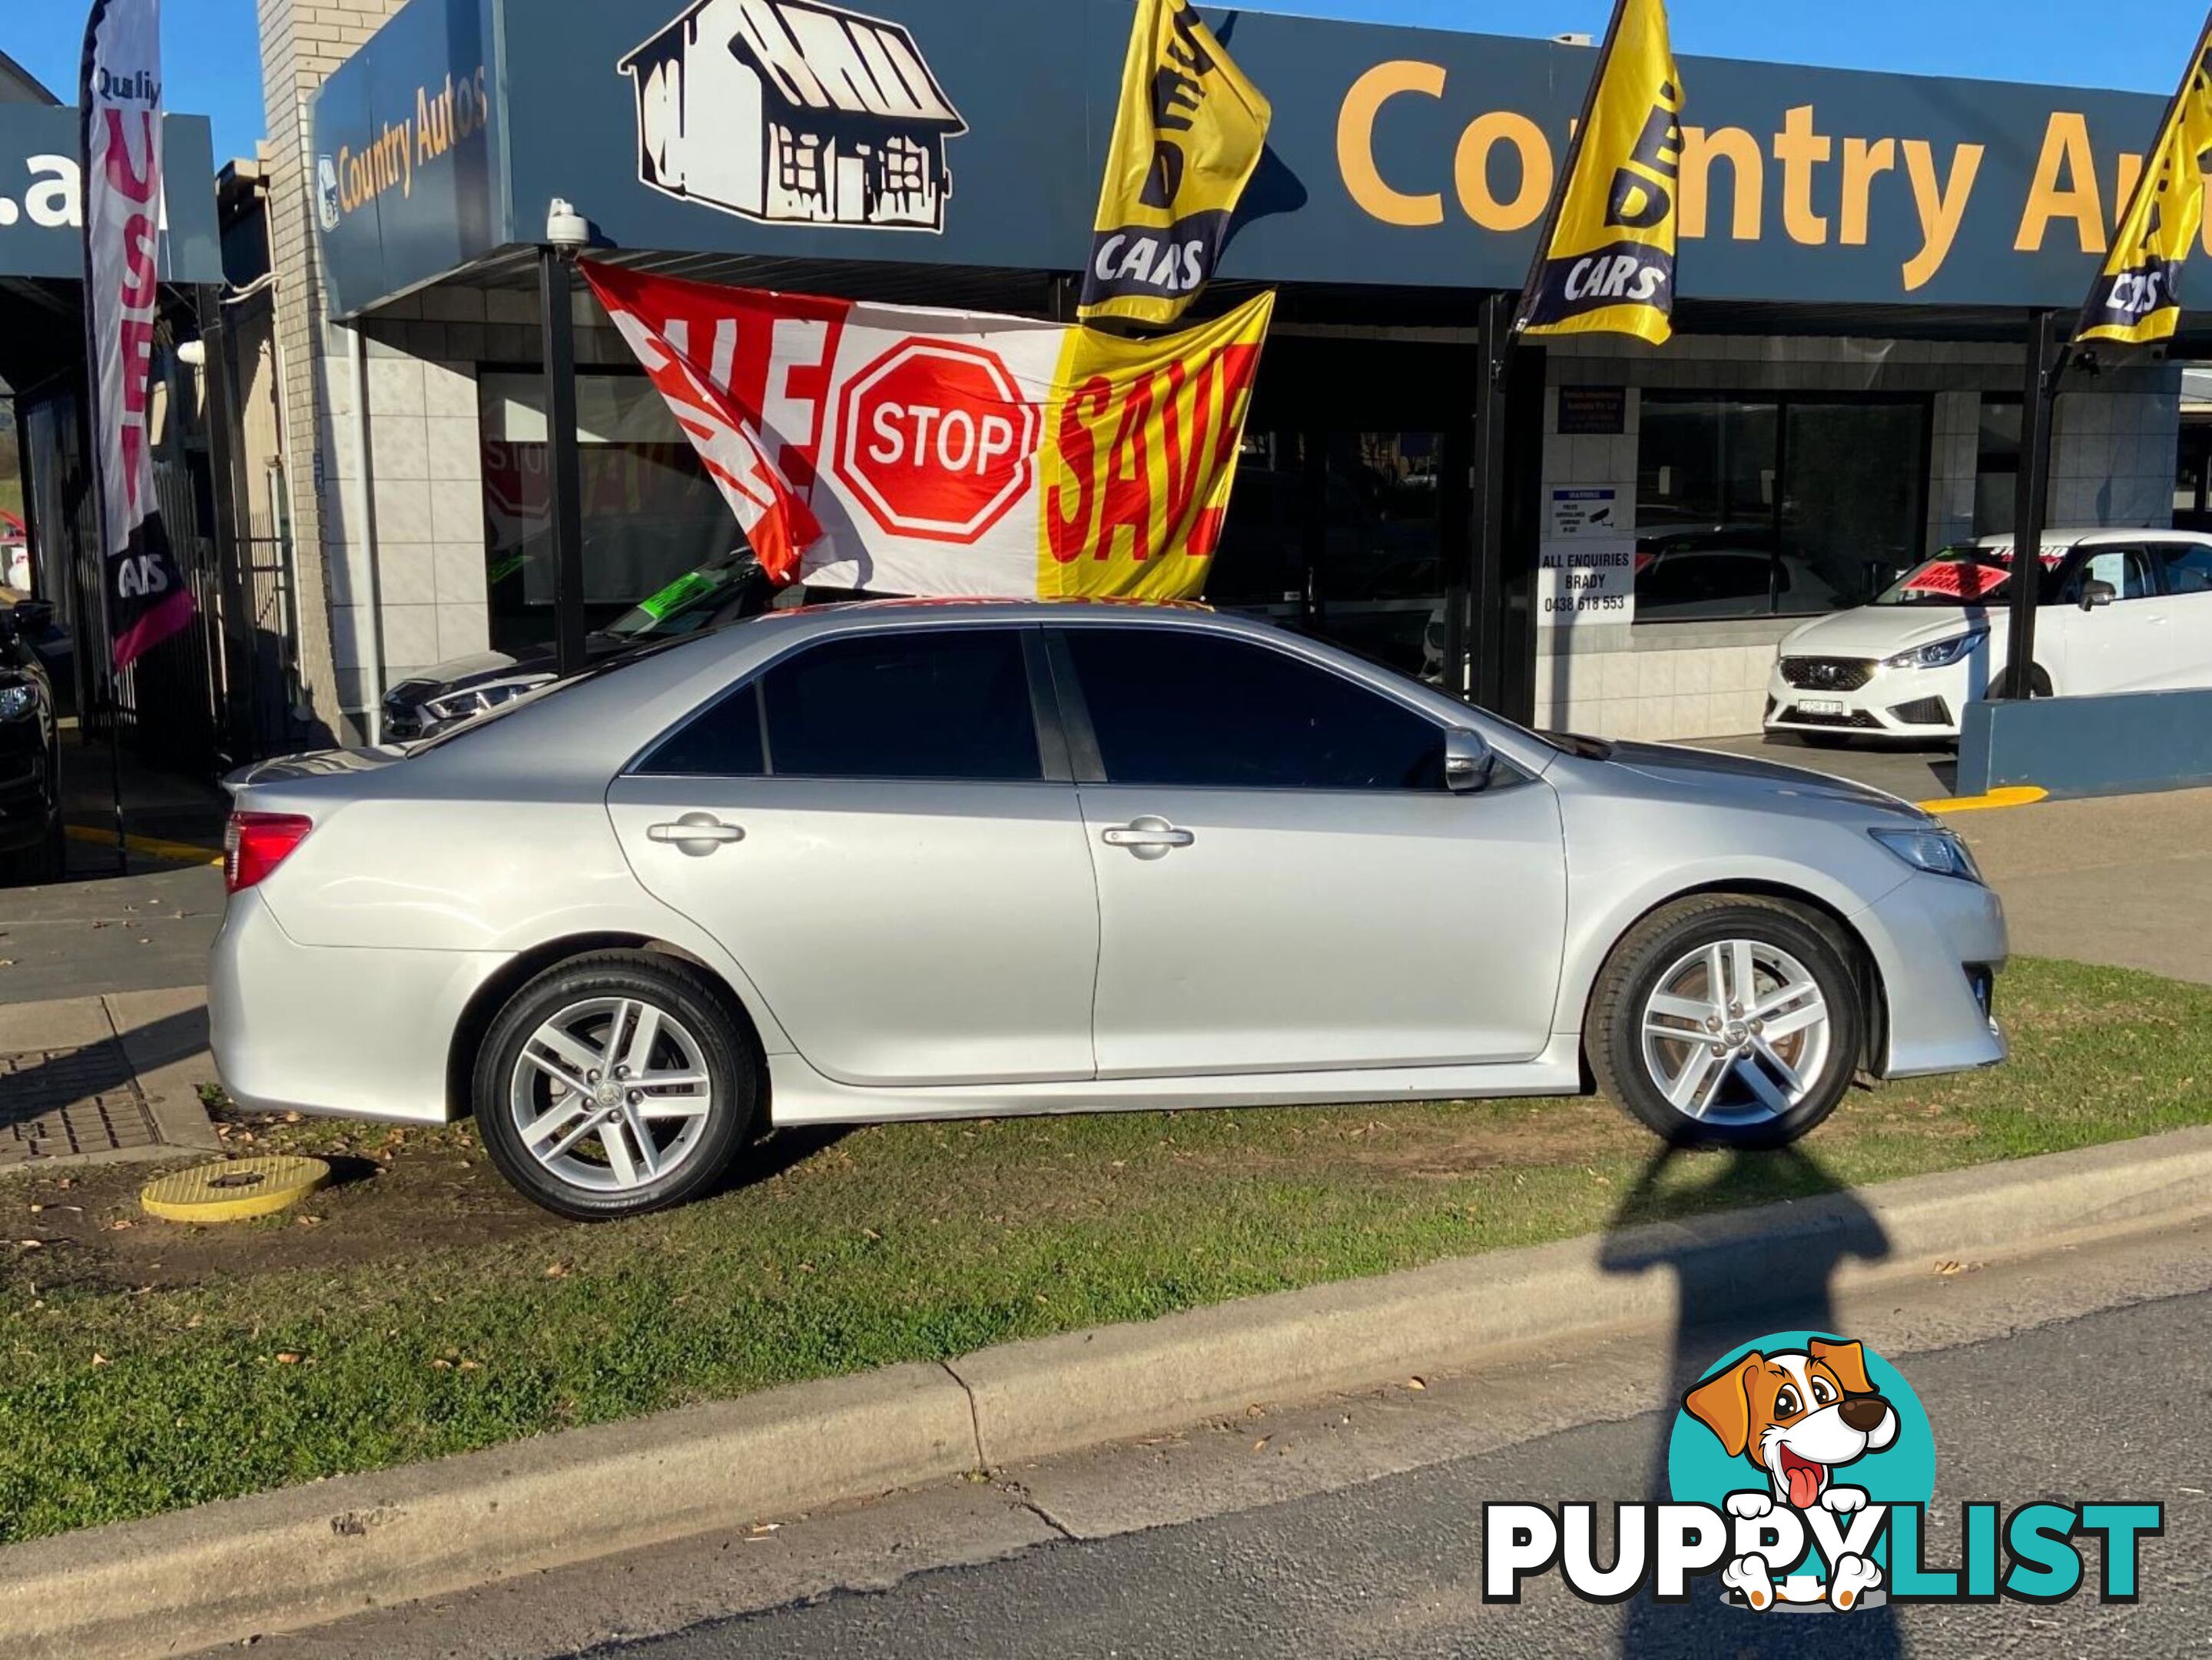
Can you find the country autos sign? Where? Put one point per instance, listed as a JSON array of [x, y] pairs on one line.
[[974, 133]]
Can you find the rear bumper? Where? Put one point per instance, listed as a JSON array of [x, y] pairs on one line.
[[338, 1031], [1936, 940]]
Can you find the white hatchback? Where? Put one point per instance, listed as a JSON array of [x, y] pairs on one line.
[[2121, 610]]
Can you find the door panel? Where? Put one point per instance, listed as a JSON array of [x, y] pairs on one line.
[[903, 932], [1326, 929], [2185, 580], [2121, 647]]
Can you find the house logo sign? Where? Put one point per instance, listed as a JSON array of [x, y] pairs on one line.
[[795, 113]]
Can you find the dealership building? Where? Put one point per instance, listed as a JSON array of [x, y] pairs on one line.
[[1597, 536]]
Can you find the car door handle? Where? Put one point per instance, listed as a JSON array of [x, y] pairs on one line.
[[1147, 838], [695, 833]]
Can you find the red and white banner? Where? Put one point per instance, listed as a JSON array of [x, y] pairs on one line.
[[921, 452], [120, 105]]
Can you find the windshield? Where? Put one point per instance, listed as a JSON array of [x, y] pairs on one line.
[[1968, 574], [693, 600]]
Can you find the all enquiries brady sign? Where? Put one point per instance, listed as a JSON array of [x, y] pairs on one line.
[[1586, 570]]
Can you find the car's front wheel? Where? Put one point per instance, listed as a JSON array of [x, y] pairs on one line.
[[1727, 1020], [616, 1083]]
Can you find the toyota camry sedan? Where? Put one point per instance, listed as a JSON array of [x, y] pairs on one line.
[[909, 861]]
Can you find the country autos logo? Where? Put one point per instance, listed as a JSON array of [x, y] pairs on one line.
[[1801, 1468], [327, 213], [793, 112]]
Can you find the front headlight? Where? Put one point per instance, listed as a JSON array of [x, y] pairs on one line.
[[1940, 655], [1938, 852], [17, 700], [482, 699]]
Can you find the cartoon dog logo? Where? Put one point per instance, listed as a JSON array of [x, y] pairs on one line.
[[1798, 1416]]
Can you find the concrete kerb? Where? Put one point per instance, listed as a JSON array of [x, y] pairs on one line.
[[305, 1555]]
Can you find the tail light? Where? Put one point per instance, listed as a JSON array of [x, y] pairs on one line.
[[255, 844]]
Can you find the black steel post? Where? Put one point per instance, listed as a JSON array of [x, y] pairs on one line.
[[564, 471], [1482, 680], [2039, 394], [237, 636]]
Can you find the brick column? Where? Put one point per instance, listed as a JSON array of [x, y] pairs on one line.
[[300, 45]]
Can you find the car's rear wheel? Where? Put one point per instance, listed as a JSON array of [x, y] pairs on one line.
[[616, 1084], [1727, 1020]]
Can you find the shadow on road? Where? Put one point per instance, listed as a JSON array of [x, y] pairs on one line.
[[1726, 1296]]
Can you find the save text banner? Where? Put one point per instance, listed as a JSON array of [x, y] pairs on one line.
[[908, 451]]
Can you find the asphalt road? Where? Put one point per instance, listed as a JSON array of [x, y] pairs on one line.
[[2110, 1406]]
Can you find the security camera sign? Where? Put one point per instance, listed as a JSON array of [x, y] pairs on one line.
[[1577, 513]]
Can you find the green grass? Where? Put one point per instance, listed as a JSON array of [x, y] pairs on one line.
[[907, 1242]]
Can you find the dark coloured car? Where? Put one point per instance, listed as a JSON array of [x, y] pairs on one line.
[[30, 752], [726, 589]]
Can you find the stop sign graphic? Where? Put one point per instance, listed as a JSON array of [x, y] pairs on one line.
[[936, 441]]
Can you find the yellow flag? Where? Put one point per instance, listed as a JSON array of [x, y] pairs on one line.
[[2137, 296], [1187, 137], [1606, 262], [1140, 454]]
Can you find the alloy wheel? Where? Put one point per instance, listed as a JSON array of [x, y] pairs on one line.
[[1737, 1032], [612, 1094]]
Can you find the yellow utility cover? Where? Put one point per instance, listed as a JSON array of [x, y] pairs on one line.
[[234, 1192]]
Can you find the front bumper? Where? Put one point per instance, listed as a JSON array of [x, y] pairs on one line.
[[1937, 942], [27, 796], [1927, 703], [344, 1032]]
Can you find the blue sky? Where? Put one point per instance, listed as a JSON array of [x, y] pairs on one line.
[[213, 58]]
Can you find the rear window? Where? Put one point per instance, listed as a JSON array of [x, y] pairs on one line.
[[941, 703]]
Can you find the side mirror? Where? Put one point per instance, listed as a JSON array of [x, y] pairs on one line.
[[33, 616], [2095, 594], [1468, 761]]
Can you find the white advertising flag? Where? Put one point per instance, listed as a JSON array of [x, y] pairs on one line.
[[120, 105]]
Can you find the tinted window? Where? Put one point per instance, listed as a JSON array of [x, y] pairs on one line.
[[946, 702], [2188, 568], [1176, 707], [2125, 570], [721, 741]]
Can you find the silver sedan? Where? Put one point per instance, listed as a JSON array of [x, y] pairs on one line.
[[909, 861]]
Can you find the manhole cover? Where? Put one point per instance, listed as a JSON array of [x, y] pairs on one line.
[[234, 1192]]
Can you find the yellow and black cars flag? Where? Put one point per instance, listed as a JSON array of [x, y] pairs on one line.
[[2137, 296], [1606, 264], [1187, 137]]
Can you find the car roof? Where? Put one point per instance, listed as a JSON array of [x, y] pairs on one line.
[[956, 609], [2094, 536]]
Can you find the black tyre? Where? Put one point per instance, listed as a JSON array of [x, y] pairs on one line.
[[43, 861], [1727, 1020], [616, 1084]]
